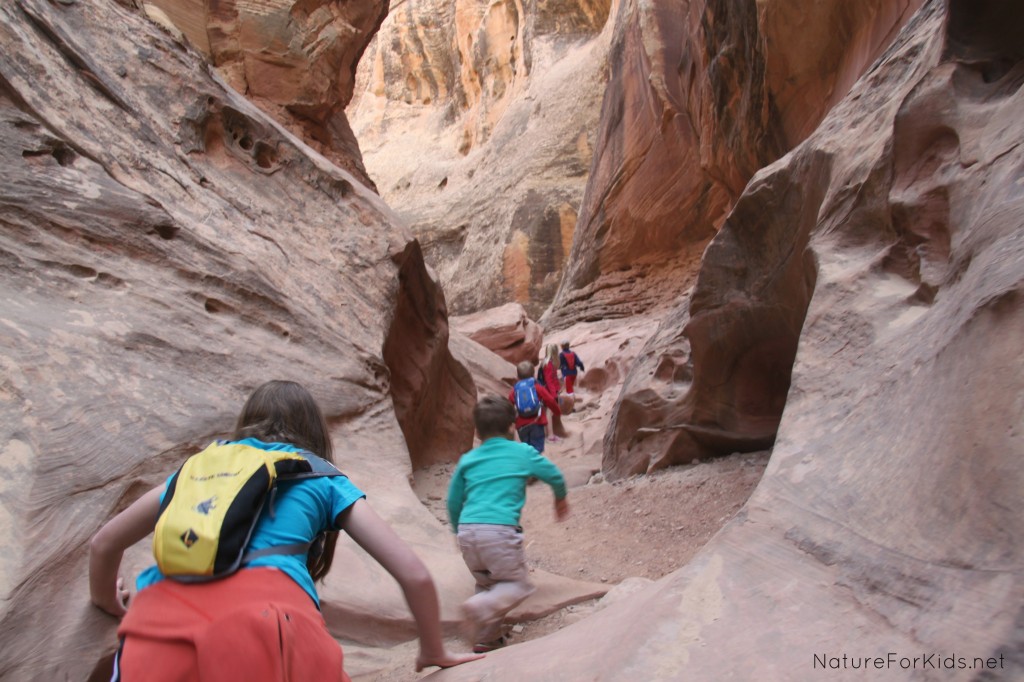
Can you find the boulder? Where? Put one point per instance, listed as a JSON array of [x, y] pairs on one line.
[[491, 373], [506, 330]]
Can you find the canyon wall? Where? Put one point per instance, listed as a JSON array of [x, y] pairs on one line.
[[778, 226], [295, 60], [454, 123], [476, 122], [884, 255], [697, 102], [165, 248], [479, 124]]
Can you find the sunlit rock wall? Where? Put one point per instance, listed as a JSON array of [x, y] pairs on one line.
[[476, 122]]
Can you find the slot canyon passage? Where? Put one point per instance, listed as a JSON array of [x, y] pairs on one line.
[[785, 237]]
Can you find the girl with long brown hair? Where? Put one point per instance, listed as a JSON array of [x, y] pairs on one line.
[[263, 621]]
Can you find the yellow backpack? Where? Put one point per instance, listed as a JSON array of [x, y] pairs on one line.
[[212, 505]]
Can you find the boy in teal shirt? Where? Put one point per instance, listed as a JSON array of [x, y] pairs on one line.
[[485, 500]]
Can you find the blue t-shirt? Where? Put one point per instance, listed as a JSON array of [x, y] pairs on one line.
[[302, 509]]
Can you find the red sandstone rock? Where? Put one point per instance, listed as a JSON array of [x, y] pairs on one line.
[[426, 381], [673, 158], [567, 404], [696, 103], [506, 331], [295, 60], [883, 254], [477, 120], [491, 373], [686, 120], [166, 248], [888, 519], [813, 58]]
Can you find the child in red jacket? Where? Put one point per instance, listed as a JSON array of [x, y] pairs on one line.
[[548, 375], [529, 398], [570, 364]]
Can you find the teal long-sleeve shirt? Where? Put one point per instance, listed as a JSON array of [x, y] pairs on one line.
[[489, 482]]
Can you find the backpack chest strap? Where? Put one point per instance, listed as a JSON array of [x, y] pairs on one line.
[[295, 548]]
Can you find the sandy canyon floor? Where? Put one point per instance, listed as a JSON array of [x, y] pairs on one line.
[[624, 534]]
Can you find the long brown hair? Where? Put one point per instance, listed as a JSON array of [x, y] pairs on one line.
[[285, 412]]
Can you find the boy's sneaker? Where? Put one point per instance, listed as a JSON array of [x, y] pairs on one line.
[[485, 647]]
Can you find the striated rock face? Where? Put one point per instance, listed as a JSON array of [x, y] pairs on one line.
[[813, 57], [889, 518], [686, 119], [164, 248], [295, 60], [476, 122], [506, 331], [491, 373], [697, 101]]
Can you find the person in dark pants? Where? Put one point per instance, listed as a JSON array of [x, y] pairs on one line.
[[571, 365], [530, 423]]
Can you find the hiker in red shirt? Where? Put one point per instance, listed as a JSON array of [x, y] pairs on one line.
[[548, 373], [570, 364], [548, 376], [527, 396]]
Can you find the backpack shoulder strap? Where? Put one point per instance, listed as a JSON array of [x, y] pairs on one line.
[[318, 468]]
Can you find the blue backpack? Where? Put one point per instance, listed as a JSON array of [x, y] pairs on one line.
[[527, 400]]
